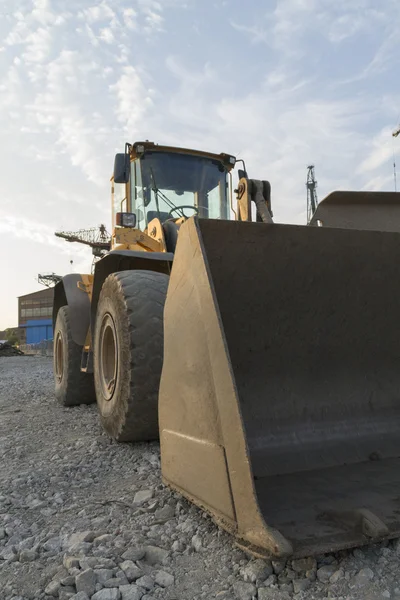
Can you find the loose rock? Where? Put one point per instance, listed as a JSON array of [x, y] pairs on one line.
[[143, 496], [337, 576], [66, 593], [52, 545], [131, 571], [272, 594], [325, 573], [70, 562], [9, 554], [197, 543], [257, 571], [110, 594], [80, 548], [80, 596], [28, 555], [102, 575], [132, 592], [300, 585], [86, 582], [155, 555], [278, 566], [52, 588], [103, 539], [165, 514], [135, 553], [145, 582], [164, 579], [362, 578], [302, 565], [81, 536], [244, 591]]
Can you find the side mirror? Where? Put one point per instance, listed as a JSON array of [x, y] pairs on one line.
[[122, 164], [242, 173]]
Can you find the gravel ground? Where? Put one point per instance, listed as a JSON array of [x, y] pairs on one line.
[[82, 517]]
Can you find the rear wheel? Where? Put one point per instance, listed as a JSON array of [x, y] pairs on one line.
[[72, 387], [128, 353]]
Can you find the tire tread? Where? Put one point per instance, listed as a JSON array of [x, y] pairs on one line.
[[77, 387]]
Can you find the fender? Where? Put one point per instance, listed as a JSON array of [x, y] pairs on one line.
[[67, 293], [126, 260]]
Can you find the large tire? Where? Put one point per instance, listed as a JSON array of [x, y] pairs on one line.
[[128, 353], [72, 387]]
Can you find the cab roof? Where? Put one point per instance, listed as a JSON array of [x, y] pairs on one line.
[[139, 148]]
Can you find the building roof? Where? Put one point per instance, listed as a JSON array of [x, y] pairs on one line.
[[46, 292]]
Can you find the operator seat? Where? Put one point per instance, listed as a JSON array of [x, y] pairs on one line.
[[171, 235], [153, 214]]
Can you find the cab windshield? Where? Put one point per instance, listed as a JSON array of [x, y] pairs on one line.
[[163, 182]]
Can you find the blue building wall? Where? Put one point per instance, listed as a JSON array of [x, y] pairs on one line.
[[38, 330]]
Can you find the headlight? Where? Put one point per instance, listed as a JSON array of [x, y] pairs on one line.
[[124, 219]]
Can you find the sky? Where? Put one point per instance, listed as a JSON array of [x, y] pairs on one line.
[[279, 83]]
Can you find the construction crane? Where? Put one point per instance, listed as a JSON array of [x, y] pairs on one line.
[[312, 200], [97, 238], [49, 279]]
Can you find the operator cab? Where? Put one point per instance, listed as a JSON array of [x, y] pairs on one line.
[[170, 184]]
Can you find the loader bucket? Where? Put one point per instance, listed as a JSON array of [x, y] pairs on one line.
[[280, 392]]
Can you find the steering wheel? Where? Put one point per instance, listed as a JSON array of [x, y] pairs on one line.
[[194, 208]]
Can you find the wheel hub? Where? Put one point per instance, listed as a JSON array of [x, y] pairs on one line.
[[108, 356], [59, 356]]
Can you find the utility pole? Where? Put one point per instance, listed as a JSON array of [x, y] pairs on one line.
[[312, 200], [395, 133]]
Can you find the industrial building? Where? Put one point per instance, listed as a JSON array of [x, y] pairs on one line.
[[34, 316]]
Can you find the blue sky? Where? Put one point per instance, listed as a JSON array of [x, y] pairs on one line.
[[280, 83]]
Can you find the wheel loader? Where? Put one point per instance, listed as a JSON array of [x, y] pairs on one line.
[[266, 357]]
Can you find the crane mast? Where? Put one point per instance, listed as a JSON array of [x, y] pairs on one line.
[[312, 200]]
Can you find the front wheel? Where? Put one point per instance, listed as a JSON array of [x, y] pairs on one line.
[[128, 353], [72, 387]]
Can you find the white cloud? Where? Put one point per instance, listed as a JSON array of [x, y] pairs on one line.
[[42, 12], [379, 183], [256, 33], [17, 35], [11, 89], [381, 150], [97, 12], [130, 18], [190, 77], [27, 229], [133, 98], [90, 34], [152, 12], [290, 27], [38, 45], [387, 51], [154, 21], [107, 35], [59, 106]]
